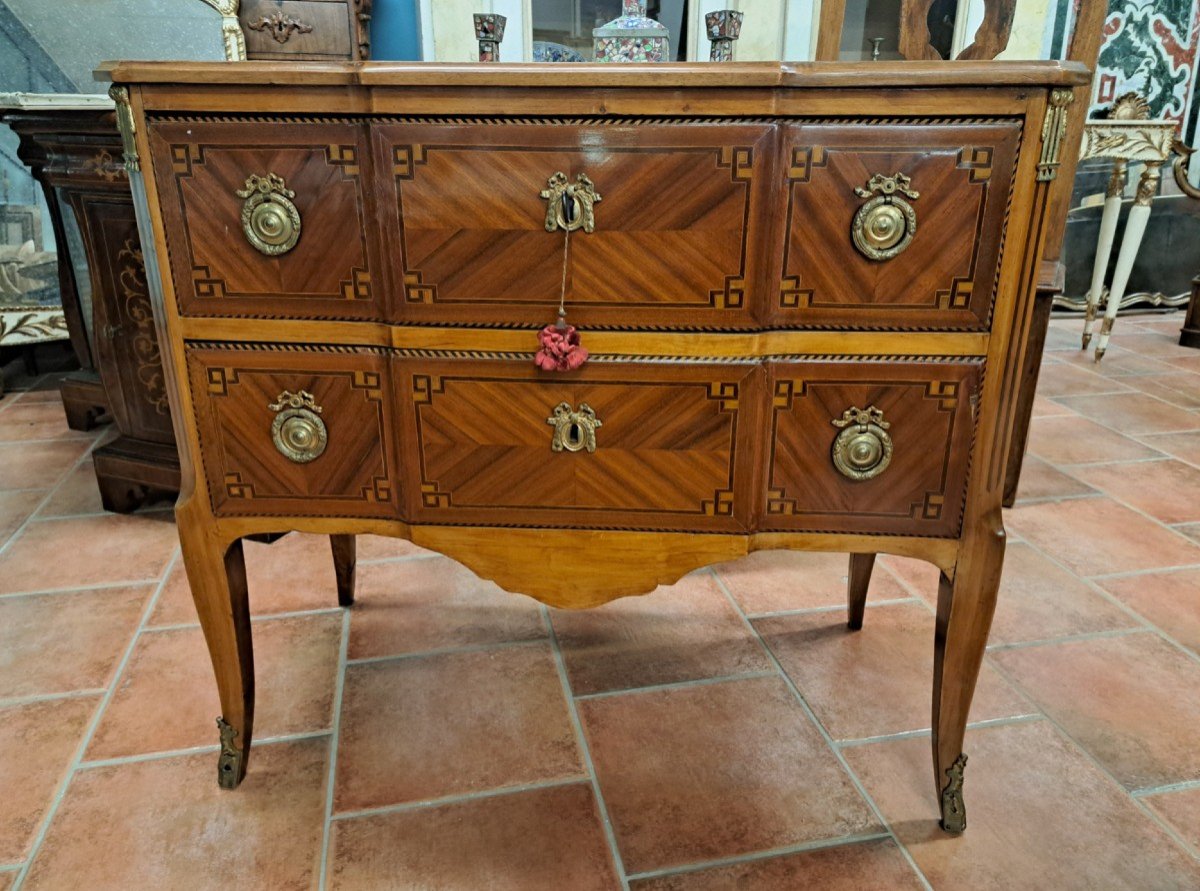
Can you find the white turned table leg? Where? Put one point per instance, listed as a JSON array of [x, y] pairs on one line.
[[1108, 231], [1131, 242]]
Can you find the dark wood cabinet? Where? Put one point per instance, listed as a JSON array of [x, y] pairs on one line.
[[76, 155]]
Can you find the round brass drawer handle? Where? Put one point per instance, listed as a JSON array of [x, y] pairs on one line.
[[885, 225], [574, 431], [863, 449], [270, 221], [298, 431]]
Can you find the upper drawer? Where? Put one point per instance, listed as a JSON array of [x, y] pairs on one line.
[[296, 241], [615, 445], [866, 248], [682, 216]]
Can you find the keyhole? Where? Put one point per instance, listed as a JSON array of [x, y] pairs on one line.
[[568, 203], [575, 435]]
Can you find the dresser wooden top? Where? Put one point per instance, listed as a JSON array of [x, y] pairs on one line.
[[790, 75]]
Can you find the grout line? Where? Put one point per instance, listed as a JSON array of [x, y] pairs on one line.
[[1183, 786], [102, 586], [51, 697], [464, 798], [807, 709], [89, 733], [832, 608], [771, 854], [1167, 827], [585, 750], [679, 685], [91, 515], [447, 651], [197, 750], [1069, 638], [339, 689], [1134, 573], [919, 734], [408, 558], [269, 617]]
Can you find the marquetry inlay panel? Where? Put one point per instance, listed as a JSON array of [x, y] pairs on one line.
[[946, 277], [331, 271], [928, 408], [679, 227], [672, 448], [248, 476]]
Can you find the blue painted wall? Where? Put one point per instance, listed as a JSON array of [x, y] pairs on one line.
[[395, 31]]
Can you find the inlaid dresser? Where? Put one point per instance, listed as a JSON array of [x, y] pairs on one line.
[[586, 329]]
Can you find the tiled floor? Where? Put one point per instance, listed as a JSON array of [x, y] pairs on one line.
[[724, 732]]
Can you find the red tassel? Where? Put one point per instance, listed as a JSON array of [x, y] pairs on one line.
[[560, 349]]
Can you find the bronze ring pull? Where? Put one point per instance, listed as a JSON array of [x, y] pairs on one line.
[[885, 225], [298, 431], [270, 221], [863, 449]]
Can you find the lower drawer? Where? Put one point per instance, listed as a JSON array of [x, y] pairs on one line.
[[869, 446], [295, 432], [615, 445]]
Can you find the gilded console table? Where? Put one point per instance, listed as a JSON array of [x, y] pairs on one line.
[[792, 303]]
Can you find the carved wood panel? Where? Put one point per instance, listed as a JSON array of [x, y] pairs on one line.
[[123, 322], [946, 276], [674, 448], [247, 475], [679, 234], [295, 30], [330, 273], [929, 407]]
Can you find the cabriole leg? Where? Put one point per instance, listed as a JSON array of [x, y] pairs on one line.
[[218, 581], [859, 580], [964, 616], [344, 551], [1108, 231], [1131, 242]]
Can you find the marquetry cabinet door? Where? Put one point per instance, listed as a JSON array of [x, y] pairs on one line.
[[893, 225], [295, 431], [879, 446], [679, 230], [269, 219], [639, 446]]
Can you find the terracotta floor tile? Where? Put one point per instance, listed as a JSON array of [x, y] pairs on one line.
[[292, 574], [1039, 600], [56, 643], [28, 421], [101, 550], [1063, 379], [1134, 413], [540, 840], [853, 867], [1039, 815], [767, 581], [1062, 339], [40, 740], [918, 576], [432, 726], [716, 770], [1151, 342], [7, 878], [166, 699], [414, 605], [1040, 481], [164, 823], [78, 494], [1118, 363], [38, 466], [1181, 810], [1097, 536], [1167, 490], [875, 681], [15, 508], [1077, 440], [382, 547], [1187, 363], [1185, 446], [681, 632], [1045, 408], [1132, 702], [1182, 388]]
